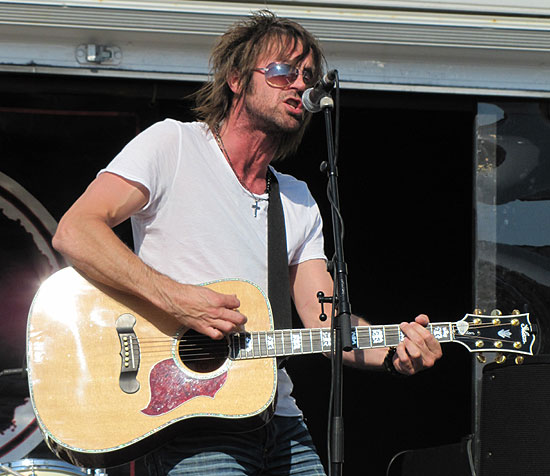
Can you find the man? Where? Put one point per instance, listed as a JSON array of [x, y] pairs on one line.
[[197, 196]]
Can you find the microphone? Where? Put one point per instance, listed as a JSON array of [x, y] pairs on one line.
[[311, 98]]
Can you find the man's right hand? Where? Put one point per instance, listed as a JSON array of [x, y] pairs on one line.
[[202, 309]]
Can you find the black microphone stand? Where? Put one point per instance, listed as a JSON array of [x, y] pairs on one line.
[[341, 308]]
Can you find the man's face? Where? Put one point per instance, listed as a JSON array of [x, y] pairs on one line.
[[277, 110]]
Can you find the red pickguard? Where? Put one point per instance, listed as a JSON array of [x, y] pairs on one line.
[[171, 387]]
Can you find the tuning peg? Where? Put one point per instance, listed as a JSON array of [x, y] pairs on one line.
[[516, 312], [478, 312], [496, 312], [500, 358], [481, 358], [519, 359]]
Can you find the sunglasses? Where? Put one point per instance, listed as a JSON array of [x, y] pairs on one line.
[[282, 75]]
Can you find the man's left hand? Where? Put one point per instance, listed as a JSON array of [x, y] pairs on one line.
[[419, 350]]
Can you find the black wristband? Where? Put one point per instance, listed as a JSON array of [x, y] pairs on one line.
[[388, 363]]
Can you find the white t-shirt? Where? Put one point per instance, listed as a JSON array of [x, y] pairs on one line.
[[200, 223]]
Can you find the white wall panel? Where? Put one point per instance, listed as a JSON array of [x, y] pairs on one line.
[[374, 45]]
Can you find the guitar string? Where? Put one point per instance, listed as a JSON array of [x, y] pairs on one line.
[[366, 330], [301, 332], [223, 347]]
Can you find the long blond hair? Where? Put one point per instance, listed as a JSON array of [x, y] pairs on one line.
[[239, 50]]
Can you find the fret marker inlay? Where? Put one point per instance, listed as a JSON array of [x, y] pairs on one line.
[[377, 336], [248, 343], [326, 341], [440, 332]]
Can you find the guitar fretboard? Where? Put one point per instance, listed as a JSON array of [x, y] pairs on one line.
[[284, 343]]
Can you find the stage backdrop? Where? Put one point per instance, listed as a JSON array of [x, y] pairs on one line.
[[405, 177]]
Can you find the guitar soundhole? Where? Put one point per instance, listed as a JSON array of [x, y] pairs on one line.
[[202, 354]]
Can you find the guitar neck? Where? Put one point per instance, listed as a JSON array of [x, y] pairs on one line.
[[288, 342]]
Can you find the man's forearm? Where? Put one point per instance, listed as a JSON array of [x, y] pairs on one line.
[[92, 247]]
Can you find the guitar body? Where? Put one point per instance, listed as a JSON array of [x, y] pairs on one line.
[[107, 381]]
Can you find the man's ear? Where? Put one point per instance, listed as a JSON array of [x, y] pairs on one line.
[[234, 82]]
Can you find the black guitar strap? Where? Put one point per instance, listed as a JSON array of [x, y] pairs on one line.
[[278, 288]]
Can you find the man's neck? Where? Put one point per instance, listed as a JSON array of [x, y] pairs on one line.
[[249, 151]]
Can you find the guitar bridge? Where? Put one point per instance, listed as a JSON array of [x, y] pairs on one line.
[[129, 353]]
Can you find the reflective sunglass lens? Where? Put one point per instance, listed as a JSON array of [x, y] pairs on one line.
[[280, 75]]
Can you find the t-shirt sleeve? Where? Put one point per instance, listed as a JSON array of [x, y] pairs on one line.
[[303, 221], [151, 159], [312, 246]]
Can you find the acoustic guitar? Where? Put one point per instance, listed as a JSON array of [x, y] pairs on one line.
[[111, 377]]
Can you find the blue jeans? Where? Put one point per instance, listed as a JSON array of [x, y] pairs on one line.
[[283, 447]]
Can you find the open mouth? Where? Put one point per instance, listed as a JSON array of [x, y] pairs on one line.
[[294, 103]]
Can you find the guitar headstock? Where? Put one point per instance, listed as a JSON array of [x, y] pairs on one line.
[[496, 333]]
